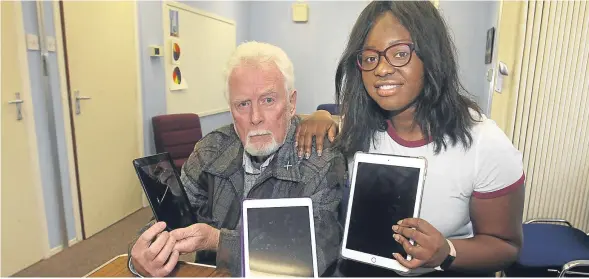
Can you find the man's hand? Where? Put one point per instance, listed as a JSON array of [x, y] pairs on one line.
[[196, 237], [157, 258]]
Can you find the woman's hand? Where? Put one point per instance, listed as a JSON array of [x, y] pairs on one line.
[[316, 125], [431, 247]]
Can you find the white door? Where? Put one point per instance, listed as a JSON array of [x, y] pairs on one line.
[[24, 227], [102, 58]]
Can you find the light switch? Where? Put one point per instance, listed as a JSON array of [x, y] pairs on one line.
[[50, 43], [300, 12], [490, 75], [32, 42]]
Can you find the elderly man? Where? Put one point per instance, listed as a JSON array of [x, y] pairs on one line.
[[254, 158]]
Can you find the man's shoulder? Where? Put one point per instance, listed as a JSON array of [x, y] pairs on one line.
[[210, 148], [329, 155], [331, 165], [216, 141]]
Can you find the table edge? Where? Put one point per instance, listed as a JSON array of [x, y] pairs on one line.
[[126, 255], [199, 264], [104, 264]]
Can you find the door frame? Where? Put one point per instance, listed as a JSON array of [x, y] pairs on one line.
[[27, 96], [68, 114], [495, 63], [508, 97]]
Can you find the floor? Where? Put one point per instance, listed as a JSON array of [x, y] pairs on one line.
[[83, 257]]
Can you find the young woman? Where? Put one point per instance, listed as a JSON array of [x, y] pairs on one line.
[[399, 91]]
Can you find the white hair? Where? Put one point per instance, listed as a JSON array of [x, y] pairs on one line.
[[261, 53]]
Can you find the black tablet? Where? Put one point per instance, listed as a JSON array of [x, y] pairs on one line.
[[384, 190], [164, 190]]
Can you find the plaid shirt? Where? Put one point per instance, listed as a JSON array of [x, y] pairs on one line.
[[213, 177]]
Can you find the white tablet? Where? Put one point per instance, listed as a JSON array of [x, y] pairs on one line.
[[384, 189], [279, 238]]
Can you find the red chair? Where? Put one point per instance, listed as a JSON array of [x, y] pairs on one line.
[[176, 134]]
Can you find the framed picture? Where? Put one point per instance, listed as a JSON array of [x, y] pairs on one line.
[[489, 46], [174, 32]]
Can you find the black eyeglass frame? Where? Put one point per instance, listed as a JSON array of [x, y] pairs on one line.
[[383, 54]]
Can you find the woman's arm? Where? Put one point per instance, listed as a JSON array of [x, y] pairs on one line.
[[497, 225], [496, 244], [496, 208], [316, 125]]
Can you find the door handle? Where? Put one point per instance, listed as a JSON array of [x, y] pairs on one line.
[[502, 72], [18, 102], [78, 99], [503, 69]]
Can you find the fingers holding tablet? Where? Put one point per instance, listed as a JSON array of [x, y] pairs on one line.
[[153, 252], [410, 264], [196, 237], [415, 252], [430, 248], [145, 242], [166, 250]]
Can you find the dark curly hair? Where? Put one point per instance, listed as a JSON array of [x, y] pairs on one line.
[[442, 110]]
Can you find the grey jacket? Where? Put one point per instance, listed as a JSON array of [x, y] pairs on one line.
[[213, 177]]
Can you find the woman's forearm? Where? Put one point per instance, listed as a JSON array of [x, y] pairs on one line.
[[483, 253]]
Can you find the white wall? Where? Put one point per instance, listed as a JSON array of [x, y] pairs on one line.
[[314, 47], [469, 22], [152, 69]]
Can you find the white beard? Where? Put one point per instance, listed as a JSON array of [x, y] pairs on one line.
[[268, 148]]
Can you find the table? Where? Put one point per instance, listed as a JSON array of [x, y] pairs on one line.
[[117, 267]]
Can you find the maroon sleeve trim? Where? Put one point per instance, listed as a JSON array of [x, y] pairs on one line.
[[501, 192]]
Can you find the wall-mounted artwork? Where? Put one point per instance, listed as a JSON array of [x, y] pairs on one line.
[[176, 51], [176, 82], [174, 24]]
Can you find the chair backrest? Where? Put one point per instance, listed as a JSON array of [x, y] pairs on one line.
[[332, 108], [176, 134]]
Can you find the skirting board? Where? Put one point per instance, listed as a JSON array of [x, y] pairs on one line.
[[59, 248]]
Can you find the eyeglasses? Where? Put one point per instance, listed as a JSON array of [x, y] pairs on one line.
[[398, 55]]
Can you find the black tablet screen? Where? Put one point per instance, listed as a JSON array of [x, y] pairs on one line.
[[167, 199], [383, 195]]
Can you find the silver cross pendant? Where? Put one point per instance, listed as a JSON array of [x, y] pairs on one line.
[[288, 165]]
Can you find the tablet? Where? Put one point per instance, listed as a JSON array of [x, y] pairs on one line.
[[279, 238], [165, 193], [384, 189]]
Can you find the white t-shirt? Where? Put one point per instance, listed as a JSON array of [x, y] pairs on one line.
[[492, 167]]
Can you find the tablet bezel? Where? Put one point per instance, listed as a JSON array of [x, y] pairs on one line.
[[284, 202], [382, 159], [155, 159]]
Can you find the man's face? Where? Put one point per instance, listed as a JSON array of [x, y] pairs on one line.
[[260, 106]]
